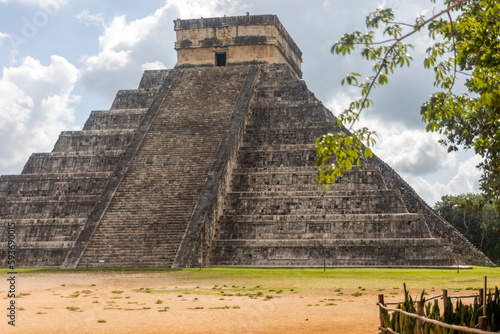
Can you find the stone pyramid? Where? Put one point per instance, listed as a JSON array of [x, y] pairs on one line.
[[213, 163]]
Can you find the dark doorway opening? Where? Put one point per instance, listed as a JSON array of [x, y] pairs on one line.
[[220, 59]]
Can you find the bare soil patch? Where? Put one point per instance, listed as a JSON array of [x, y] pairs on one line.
[[158, 302]]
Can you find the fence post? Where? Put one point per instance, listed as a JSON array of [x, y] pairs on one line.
[[420, 312], [445, 299], [381, 302], [483, 325], [484, 295]]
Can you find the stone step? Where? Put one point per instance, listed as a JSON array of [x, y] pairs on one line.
[[291, 90], [347, 252], [278, 156], [284, 136], [353, 226], [37, 254], [72, 162], [38, 207], [40, 245], [28, 185], [350, 202], [304, 179], [33, 230], [153, 78], [93, 141], [134, 98], [114, 119], [276, 72], [282, 115]]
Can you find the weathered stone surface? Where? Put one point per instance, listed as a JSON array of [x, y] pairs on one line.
[[215, 165], [241, 39], [275, 213], [152, 206], [50, 201]]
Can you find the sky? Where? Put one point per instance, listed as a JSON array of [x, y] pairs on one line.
[[61, 59]]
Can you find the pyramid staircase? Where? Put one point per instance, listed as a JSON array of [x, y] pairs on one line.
[[148, 215], [277, 216], [215, 164]]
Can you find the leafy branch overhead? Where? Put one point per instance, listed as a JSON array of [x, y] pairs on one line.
[[468, 46]]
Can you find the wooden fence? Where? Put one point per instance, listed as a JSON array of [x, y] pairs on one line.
[[421, 319]]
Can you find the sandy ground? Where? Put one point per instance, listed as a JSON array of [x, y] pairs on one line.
[[113, 302]]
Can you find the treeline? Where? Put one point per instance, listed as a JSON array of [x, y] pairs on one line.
[[475, 217]]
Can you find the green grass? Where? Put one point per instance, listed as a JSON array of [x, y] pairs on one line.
[[299, 279]]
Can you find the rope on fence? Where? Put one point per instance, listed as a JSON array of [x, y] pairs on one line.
[[435, 322], [387, 330], [441, 296], [460, 297]]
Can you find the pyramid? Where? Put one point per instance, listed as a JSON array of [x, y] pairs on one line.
[[213, 163]]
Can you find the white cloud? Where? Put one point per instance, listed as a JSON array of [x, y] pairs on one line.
[[467, 178], [45, 4], [156, 65], [123, 48], [36, 104], [126, 48], [15, 106], [90, 19], [2, 37], [188, 9], [415, 152], [465, 181]]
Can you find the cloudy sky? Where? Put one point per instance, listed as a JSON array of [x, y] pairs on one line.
[[60, 59]]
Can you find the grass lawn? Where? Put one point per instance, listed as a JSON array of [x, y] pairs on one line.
[[313, 278]]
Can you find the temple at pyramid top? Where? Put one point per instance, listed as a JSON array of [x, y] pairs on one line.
[[234, 40]]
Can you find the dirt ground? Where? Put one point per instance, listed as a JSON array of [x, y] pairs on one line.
[[155, 302]]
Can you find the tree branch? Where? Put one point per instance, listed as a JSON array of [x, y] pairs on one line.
[[397, 41]]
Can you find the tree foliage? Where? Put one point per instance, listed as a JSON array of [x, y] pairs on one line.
[[468, 46], [476, 219]]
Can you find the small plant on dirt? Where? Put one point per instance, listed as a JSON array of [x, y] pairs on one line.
[[75, 294], [117, 292], [159, 302], [73, 308], [101, 321], [356, 294], [224, 308]]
